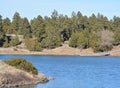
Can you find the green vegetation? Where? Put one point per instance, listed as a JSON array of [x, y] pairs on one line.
[[33, 44], [22, 64], [96, 31], [14, 41], [80, 39]]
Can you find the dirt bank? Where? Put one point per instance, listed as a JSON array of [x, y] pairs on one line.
[[63, 50]]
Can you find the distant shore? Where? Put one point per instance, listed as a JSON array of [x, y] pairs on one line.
[[59, 51]]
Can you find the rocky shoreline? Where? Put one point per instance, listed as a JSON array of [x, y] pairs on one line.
[[7, 82], [11, 77]]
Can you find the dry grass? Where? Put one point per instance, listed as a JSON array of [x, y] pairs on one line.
[[63, 50]]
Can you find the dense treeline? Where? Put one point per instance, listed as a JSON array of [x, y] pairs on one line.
[[96, 31]]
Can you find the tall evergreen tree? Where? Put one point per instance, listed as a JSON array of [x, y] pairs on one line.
[[54, 15], [0, 23], [6, 25], [25, 28], [16, 22], [38, 28]]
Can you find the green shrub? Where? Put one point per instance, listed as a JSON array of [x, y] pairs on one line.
[[6, 44], [98, 48], [33, 45], [22, 64], [14, 41]]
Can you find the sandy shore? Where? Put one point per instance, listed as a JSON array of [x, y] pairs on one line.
[[63, 50]]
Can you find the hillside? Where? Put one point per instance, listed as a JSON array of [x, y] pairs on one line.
[[95, 32]]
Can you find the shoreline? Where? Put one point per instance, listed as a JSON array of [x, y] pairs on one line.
[[44, 54], [60, 51], [47, 54]]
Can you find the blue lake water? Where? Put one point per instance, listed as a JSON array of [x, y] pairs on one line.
[[76, 71]]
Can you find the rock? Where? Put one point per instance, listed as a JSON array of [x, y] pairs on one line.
[[50, 78], [11, 77]]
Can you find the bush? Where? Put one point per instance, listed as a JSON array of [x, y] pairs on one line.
[[52, 41], [80, 40], [98, 48], [22, 64], [105, 41], [6, 42], [14, 41], [116, 37], [33, 45]]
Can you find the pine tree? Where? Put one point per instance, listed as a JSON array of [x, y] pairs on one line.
[[14, 41], [7, 25], [38, 28], [25, 28], [16, 22], [0, 23]]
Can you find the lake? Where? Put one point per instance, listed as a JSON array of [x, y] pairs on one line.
[[76, 71]]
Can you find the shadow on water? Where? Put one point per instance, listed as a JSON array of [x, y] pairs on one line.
[[26, 86]]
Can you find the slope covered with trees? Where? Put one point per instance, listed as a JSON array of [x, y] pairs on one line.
[[96, 31]]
